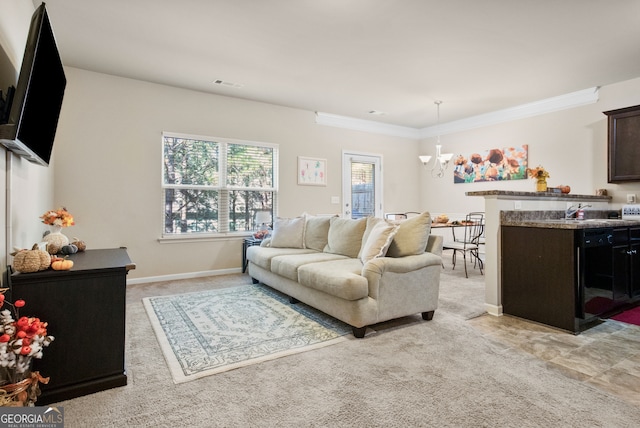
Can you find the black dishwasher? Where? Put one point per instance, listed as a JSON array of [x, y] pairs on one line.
[[595, 265]]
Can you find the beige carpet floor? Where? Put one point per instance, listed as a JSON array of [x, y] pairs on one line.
[[411, 373]]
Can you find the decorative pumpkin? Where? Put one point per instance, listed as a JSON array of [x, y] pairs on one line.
[[61, 264], [33, 260], [69, 249], [80, 244]]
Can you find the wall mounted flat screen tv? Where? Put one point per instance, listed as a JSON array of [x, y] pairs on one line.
[[33, 118]]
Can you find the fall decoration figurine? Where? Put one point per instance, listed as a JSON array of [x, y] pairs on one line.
[[32, 260], [59, 263]]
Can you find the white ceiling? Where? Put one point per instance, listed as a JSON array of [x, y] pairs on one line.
[[348, 57]]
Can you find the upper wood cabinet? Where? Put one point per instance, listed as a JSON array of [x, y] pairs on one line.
[[624, 144]]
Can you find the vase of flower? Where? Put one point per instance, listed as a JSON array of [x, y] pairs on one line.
[[56, 219], [23, 393], [540, 175], [541, 184], [21, 339]]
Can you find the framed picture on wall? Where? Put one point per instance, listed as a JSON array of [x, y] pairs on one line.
[[497, 164], [312, 171]]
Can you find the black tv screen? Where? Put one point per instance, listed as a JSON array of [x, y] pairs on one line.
[[37, 100]]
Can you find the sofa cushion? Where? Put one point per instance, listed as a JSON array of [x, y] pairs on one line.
[[345, 236], [411, 237], [316, 231], [340, 278], [288, 265], [262, 255], [288, 233], [377, 238]]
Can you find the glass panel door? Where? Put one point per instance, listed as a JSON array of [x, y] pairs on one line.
[[361, 185]]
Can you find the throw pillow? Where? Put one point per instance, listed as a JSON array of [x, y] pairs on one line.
[[378, 237], [411, 237], [316, 231], [288, 233], [345, 236]]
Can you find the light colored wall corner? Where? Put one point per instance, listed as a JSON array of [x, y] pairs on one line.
[[108, 164], [28, 188], [15, 17]]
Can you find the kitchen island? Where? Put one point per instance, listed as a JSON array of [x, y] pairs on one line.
[[497, 201], [568, 273]]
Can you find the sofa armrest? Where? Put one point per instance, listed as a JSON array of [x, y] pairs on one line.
[[402, 270], [266, 242], [434, 244], [380, 265]]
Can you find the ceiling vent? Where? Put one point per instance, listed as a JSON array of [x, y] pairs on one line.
[[227, 84]]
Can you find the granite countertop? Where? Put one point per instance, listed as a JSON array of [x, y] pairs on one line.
[[509, 194], [555, 219], [572, 223]]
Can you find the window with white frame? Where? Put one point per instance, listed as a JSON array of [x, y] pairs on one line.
[[214, 185]]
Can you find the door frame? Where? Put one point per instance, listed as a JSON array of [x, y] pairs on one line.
[[374, 158]]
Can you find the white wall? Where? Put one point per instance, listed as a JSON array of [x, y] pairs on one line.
[[108, 161], [570, 144], [108, 164], [27, 187]]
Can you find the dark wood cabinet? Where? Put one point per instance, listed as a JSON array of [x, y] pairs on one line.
[[85, 309], [624, 144], [626, 259], [569, 278], [539, 276]]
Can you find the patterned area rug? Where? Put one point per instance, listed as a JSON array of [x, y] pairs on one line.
[[213, 331]]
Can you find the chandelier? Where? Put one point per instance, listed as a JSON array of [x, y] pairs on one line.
[[441, 161]]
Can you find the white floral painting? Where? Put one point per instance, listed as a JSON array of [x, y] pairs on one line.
[[312, 171]]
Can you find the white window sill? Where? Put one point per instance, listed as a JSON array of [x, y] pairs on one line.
[[184, 238]]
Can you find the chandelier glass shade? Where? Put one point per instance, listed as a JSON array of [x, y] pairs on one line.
[[442, 160]]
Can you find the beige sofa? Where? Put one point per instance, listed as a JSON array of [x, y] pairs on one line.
[[361, 272]]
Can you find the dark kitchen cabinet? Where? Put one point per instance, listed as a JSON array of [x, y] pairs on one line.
[[634, 268], [539, 278], [569, 278], [621, 262], [85, 309], [626, 257], [624, 144]]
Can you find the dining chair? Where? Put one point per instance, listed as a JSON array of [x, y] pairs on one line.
[[395, 216], [469, 242]]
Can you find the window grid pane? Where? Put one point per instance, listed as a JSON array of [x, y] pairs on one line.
[[191, 162], [249, 166], [362, 190], [198, 198], [243, 205], [190, 211]]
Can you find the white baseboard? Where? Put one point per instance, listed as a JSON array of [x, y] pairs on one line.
[[493, 309], [186, 275]]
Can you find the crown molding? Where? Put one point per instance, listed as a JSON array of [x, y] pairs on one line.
[[536, 108], [548, 105], [366, 125]]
